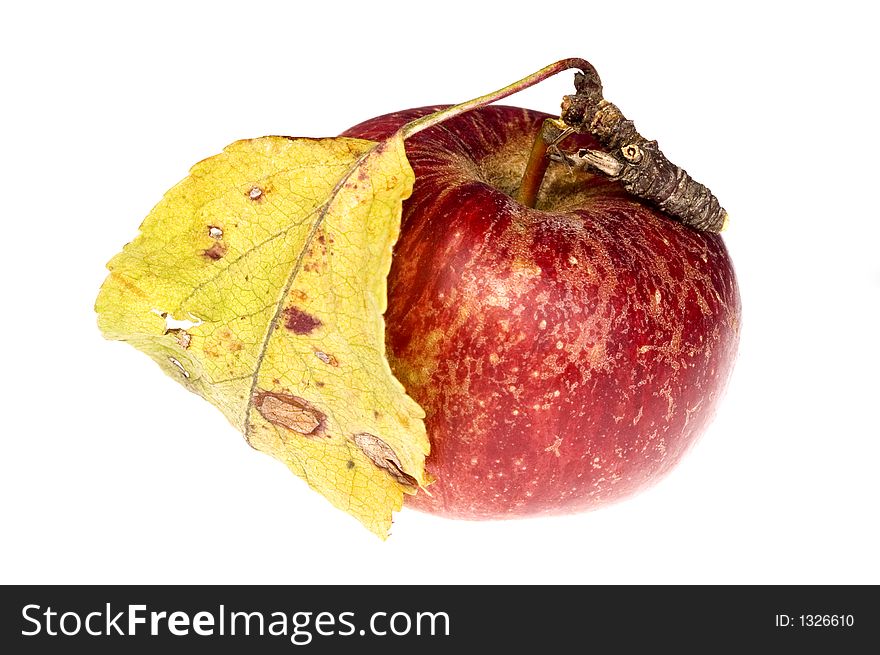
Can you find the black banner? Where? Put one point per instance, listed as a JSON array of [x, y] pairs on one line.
[[419, 619]]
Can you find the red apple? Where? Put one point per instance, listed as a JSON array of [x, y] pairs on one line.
[[566, 356]]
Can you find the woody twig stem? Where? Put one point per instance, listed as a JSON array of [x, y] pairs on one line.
[[639, 164]]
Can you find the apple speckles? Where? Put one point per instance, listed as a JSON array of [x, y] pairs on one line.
[[554, 447], [638, 417], [255, 193], [215, 232], [658, 297], [497, 300], [542, 325], [666, 392], [559, 345]]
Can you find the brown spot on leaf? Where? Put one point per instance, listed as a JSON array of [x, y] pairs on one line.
[[222, 342], [291, 412], [326, 358], [183, 337], [317, 254], [381, 454], [299, 322], [216, 251], [228, 340], [298, 295], [129, 286]]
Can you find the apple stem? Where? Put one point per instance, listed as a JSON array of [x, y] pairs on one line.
[[534, 173], [638, 164], [550, 134], [431, 120]]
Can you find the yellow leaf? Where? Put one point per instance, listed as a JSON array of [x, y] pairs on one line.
[[259, 282]]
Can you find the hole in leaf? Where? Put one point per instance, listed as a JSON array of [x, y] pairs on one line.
[[172, 323], [179, 367]]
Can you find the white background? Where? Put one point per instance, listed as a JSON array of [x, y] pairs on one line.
[[110, 472]]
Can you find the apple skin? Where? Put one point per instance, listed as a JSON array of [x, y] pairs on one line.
[[566, 356]]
